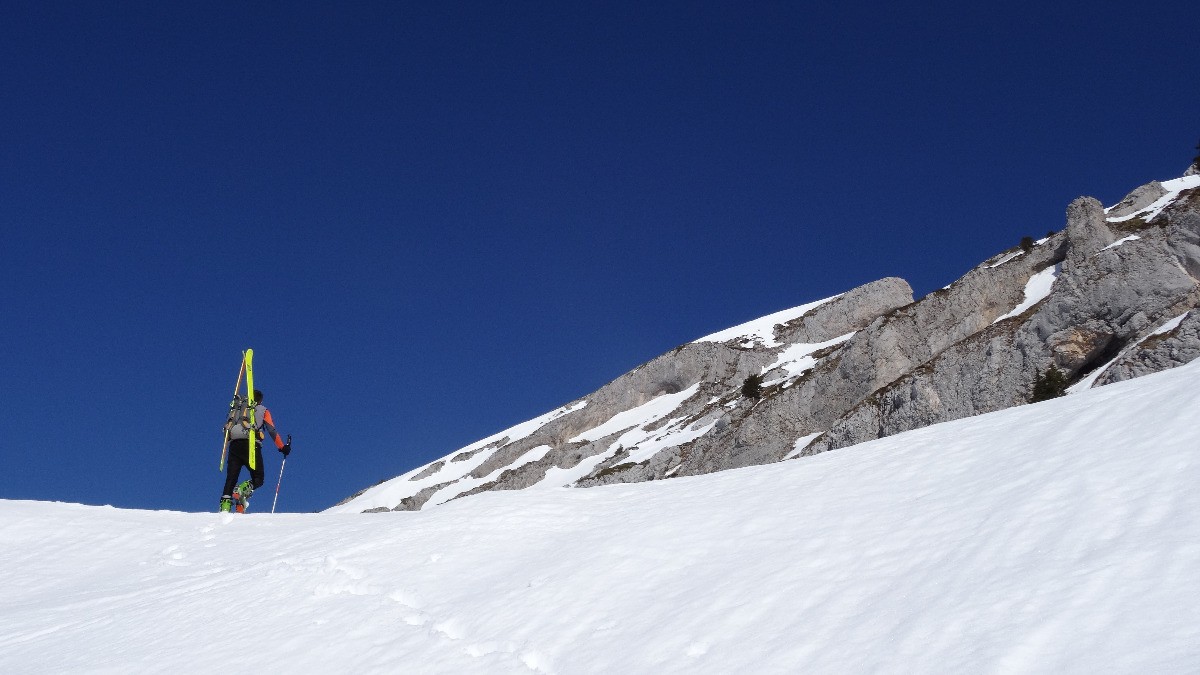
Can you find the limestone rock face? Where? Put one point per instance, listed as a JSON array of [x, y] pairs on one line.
[[1087, 230], [1098, 318], [1110, 297], [1138, 199], [1159, 351]]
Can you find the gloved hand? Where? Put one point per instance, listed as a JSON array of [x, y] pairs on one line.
[[287, 448]]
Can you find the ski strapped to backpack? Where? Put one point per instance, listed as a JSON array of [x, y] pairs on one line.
[[251, 403]]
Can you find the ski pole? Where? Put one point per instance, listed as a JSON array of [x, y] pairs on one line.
[[276, 500], [280, 481]]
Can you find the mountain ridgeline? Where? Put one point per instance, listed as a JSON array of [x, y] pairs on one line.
[[1111, 297]]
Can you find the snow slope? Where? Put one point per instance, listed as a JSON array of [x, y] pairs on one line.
[[1061, 537]]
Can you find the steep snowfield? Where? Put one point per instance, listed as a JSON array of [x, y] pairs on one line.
[[1059, 537]]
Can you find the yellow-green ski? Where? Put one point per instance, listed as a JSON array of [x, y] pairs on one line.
[[251, 403]]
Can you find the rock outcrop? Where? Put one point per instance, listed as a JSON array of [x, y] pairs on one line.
[[1110, 297]]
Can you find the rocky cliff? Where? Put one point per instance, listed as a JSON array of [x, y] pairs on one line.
[[1109, 297]]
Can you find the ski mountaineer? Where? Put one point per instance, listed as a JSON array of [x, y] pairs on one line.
[[239, 431]]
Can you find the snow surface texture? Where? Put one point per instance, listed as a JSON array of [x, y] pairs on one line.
[[1059, 537]]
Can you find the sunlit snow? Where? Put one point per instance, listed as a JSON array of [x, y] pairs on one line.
[[761, 331], [1036, 290], [797, 359], [391, 492], [1123, 240], [1013, 255], [802, 443], [1010, 256], [1173, 188], [650, 411], [1058, 537]]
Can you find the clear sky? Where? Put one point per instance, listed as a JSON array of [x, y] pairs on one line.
[[432, 221]]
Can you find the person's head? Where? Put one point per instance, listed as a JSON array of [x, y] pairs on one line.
[[258, 396]]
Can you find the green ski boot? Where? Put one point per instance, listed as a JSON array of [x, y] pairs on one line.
[[226, 505], [241, 495]]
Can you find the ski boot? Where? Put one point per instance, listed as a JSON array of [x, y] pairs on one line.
[[241, 495], [226, 505]]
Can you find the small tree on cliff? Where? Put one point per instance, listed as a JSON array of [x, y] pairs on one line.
[[1050, 383], [752, 387]]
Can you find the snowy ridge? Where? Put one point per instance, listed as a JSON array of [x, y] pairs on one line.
[[1173, 187], [870, 362], [639, 431], [457, 465], [1012, 255], [761, 332], [1057, 538]]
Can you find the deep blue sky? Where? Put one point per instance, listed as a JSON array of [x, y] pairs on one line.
[[435, 220]]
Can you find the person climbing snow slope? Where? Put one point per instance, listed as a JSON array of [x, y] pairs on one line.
[[247, 417]]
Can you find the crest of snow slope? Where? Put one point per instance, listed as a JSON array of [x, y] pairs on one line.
[[761, 332], [1013, 255], [1059, 537], [1173, 188]]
